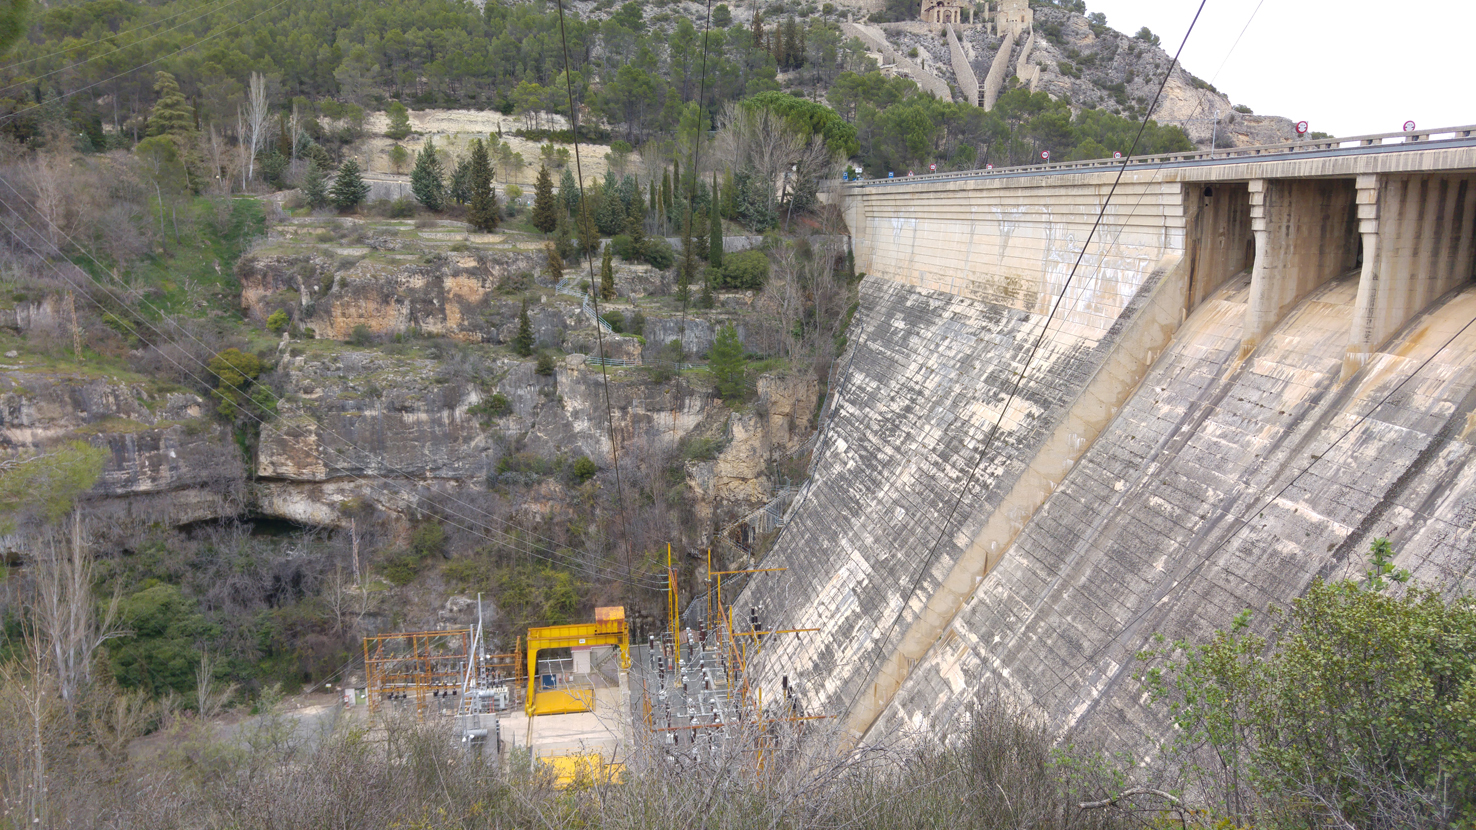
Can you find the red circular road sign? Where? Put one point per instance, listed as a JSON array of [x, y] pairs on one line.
[[1409, 126], [933, 168], [1301, 128], [1045, 155], [988, 167], [1116, 155]]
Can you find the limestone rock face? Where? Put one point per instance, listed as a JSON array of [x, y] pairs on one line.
[[442, 294], [167, 460]]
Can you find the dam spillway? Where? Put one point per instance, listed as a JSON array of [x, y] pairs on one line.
[[1258, 367]]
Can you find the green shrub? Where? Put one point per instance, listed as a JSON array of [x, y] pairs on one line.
[[428, 539], [402, 208], [745, 270], [278, 321], [361, 335], [636, 324], [547, 363], [623, 246], [495, 406], [616, 321], [659, 254], [401, 568], [583, 469]]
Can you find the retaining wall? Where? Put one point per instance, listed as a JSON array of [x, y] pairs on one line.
[[968, 84]]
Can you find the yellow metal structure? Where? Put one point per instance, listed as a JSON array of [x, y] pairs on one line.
[[583, 770], [608, 629]]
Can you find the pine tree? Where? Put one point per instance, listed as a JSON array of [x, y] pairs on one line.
[[635, 228], [545, 210], [172, 114], [725, 362], [523, 343], [427, 180], [569, 192], [607, 275], [715, 230], [482, 205], [315, 186], [399, 121], [349, 188], [610, 215], [460, 189]]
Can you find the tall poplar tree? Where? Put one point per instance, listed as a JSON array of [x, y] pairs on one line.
[[482, 211], [715, 229]]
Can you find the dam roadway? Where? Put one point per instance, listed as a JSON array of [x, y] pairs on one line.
[[1261, 363]]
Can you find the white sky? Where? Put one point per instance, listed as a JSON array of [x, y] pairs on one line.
[[1347, 68]]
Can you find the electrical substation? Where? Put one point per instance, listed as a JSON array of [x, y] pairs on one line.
[[585, 701]]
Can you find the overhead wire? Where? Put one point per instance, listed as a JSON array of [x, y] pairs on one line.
[[95, 41], [927, 563], [584, 218], [17, 113], [84, 62], [1249, 515], [482, 528]]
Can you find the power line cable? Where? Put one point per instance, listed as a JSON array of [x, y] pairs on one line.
[[275, 397], [1247, 518], [179, 51], [594, 291], [86, 61], [1019, 376], [107, 37], [485, 529]]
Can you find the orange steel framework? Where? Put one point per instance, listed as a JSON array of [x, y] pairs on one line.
[[738, 648], [425, 664]]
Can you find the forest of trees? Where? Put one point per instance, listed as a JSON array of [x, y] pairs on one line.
[[427, 53]]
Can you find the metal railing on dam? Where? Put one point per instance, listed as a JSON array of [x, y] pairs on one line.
[[1416, 140]]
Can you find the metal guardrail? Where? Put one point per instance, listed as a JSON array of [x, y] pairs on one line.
[[1412, 140], [612, 361]]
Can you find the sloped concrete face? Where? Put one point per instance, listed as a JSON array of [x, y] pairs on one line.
[[900, 509], [1149, 532]]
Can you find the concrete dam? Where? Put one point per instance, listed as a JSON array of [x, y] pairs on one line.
[[1261, 363]]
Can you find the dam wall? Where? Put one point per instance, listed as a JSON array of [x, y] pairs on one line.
[[1224, 484], [926, 474], [1042, 450]]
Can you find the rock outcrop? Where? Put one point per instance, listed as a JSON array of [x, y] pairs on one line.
[[166, 460], [439, 293]]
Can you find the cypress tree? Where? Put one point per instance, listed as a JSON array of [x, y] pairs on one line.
[[460, 189], [315, 186], [715, 230], [545, 211], [482, 213], [171, 114], [427, 180], [635, 227], [610, 216], [569, 192], [653, 194], [523, 343], [676, 177], [665, 208], [725, 362], [555, 262], [589, 235], [349, 188], [607, 275]]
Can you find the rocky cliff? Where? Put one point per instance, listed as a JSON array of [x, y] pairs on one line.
[[167, 459]]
